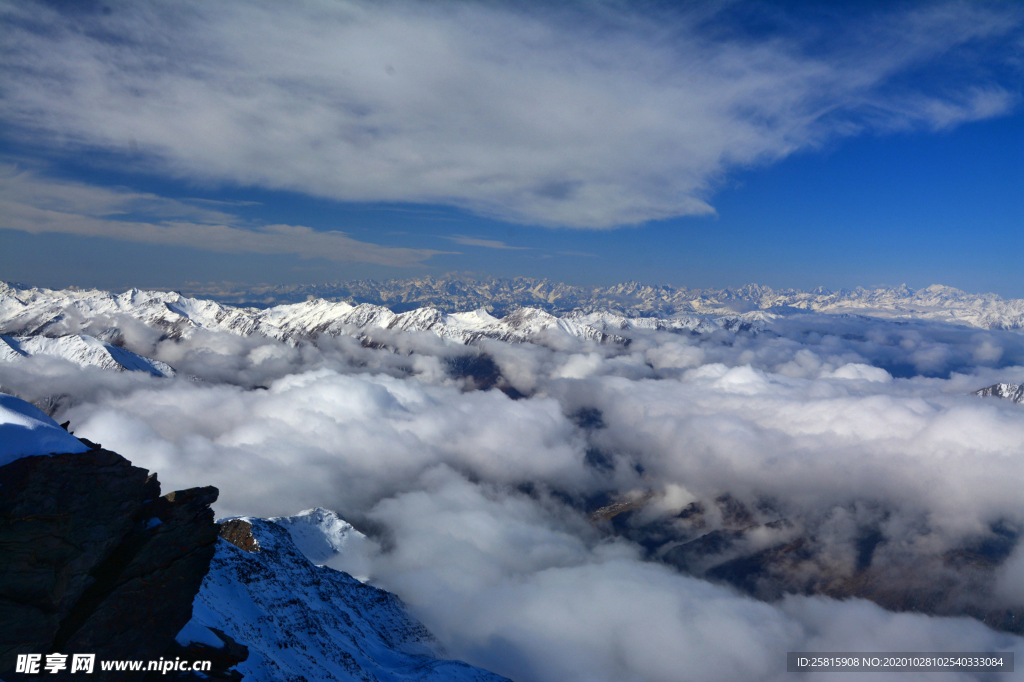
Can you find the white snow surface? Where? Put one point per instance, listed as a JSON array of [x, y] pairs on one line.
[[26, 431], [73, 314], [320, 534], [302, 621], [44, 312], [84, 351], [194, 632]]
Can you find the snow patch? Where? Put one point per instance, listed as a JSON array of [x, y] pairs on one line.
[[194, 632], [25, 431]]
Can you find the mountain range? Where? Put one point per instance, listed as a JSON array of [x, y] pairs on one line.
[[456, 293], [43, 312], [96, 328]]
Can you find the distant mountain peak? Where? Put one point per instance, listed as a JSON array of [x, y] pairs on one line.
[[460, 292], [1012, 392]]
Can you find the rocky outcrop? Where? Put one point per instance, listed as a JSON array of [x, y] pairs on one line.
[[94, 560], [239, 533]]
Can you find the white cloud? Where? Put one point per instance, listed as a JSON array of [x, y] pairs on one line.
[[485, 243], [36, 204], [466, 491], [512, 594], [857, 370], [592, 115]]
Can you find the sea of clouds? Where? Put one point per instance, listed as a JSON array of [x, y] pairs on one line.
[[476, 502]]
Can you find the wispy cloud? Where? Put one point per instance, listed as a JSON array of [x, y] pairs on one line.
[[485, 243], [590, 115], [36, 204]]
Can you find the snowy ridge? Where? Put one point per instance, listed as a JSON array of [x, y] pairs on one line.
[[598, 315], [302, 621], [1012, 392], [42, 312], [320, 534], [633, 299], [84, 351]]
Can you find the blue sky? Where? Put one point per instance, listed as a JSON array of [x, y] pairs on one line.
[[705, 145]]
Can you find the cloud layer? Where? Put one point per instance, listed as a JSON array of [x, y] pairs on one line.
[[591, 115], [477, 503]]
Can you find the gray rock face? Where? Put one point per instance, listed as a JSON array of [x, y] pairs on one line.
[[94, 560]]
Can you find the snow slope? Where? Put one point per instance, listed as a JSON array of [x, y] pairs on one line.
[[25, 431], [320, 534], [302, 621], [83, 350]]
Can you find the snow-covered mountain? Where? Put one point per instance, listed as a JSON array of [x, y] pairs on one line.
[[83, 350], [304, 621], [632, 299], [43, 312], [88, 327], [320, 534], [1011, 392]]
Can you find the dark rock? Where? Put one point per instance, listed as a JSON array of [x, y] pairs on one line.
[[93, 560], [239, 533]]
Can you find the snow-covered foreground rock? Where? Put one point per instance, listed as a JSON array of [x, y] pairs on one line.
[[303, 621], [94, 559], [25, 431], [297, 620]]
